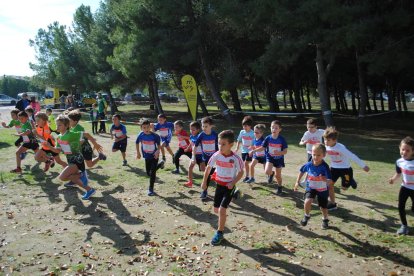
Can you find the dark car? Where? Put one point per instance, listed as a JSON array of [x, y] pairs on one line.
[[7, 100], [168, 98]]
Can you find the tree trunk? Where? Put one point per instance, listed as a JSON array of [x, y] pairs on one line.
[[151, 95], [291, 101], [354, 109], [296, 92], [308, 98], [252, 95], [337, 101], [397, 92], [404, 101], [235, 98], [201, 103], [272, 105], [322, 86], [211, 86], [153, 85], [374, 100], [302, 97], [256, 94], [284, 99], [342, 101], [363, 93]]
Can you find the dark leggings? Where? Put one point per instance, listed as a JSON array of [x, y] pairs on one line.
[[151, 169], [209, 176], [102, 125], [402, 200], [177, 156], [95, 127]]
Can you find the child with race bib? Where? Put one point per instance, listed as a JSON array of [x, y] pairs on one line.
[[197, 157], [246, 138], [119, 135], [184, 147]]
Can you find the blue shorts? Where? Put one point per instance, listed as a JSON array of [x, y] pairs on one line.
[[166, 141], [277, 163], [246, 157], [120, 145], [199, 159], [260, 159]]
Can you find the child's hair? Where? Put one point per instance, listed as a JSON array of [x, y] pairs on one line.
[[75, 115], [195, 124], [311, 121], [42, 116], [276, 122], [319, 147], [145, 122], [260, 127], [117, 116], [207, 120], [228, 135], [63, 119], [179, 123], [162, 116], [331, 133], [247, 121], [23, 114], [48, 110], [29, 109], [408, 141], [15, 111]]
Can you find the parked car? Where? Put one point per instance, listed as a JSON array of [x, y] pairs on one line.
[[168, 98], [7, 100], [139, 97]]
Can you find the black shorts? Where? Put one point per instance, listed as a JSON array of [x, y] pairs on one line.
[[260, 159], [199, 159], [346, 175], [246, 157], [86, 150], [50, 152], [277, 163], [222, 197], [120, 145], [18, 141], [77, 160], [31, 145], [322, 197]]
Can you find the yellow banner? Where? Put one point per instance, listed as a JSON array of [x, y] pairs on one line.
[[190, 91]]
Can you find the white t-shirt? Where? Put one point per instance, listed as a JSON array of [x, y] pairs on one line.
[[312, 139], [406, 168], [341, 156], [227, 167]]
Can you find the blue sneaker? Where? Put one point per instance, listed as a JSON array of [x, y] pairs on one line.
[[88, 194], [251, 180], [151, 193], [176, 171], [217, 239], [203, 195], [84, 179], [70, 184], [23, 155]]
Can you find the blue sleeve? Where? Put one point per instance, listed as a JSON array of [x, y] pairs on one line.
[[171, 126], [198, 140], [124, 131], [304, 168], [156, 126], [328, 171], [397, 169], [138, 138], [284, 143], [265, 142]]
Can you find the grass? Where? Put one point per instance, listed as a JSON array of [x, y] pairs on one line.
[[363, 227]]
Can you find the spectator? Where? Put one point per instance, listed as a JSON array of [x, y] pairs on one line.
[[23, 102], [34, 104], [102, 106], [62, 101], [70, 102]]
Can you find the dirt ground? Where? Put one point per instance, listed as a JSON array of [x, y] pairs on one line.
[[47, 229]]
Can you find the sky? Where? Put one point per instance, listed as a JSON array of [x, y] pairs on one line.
[[19, 22]]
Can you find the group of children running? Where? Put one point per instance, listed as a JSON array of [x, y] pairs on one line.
[[212, 152]]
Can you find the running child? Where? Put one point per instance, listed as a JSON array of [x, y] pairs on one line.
[[311, 137], [340, 164], [275, 147], [184, 147], [318, 176], [405, 167], [258, 156], [165, 131], [51, 120], [69, 142], [119, 131], [86, 149], [150, 147], [16, 124], [208, 140], [30, 113], [228, 171], [197, 157], [44, 134], [94, 117], [29, 141], [246, 138]]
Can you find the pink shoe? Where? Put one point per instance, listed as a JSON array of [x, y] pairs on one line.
[[189, 184]]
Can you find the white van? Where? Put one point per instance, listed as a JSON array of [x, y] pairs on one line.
[[29, 95]]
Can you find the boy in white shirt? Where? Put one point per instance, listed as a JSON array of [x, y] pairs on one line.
[[340, 164], [228, 171], [311, 137]]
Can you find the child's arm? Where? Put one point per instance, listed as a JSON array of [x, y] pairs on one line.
[[4, 125], [394, 177], [237, 146], [279, 153], [300, 175], [355, 158], [260, 148], [138, 156], [236, 179], [205, 177], [97, 146]]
